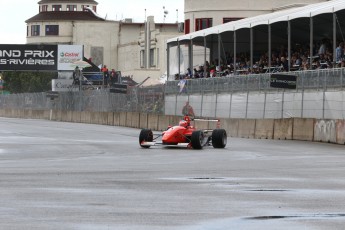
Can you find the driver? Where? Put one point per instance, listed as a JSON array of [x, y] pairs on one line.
[[185, 122]]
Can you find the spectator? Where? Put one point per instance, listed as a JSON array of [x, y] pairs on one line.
[[113, 77], [187, 110], [322, 49], [189, 73], [339, 52], [105, 72]]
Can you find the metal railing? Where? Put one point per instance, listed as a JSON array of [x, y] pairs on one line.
[[319, 80]]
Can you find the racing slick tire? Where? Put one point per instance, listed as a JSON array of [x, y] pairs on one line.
[[197, 139], [145, 135], [219, 138]]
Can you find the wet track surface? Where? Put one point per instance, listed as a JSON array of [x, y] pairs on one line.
[[56, 175]]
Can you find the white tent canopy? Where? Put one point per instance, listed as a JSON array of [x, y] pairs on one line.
[[267, 19]]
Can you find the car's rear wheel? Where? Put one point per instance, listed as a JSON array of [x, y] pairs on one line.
[[197, 139], [219, 138], [145, 135]]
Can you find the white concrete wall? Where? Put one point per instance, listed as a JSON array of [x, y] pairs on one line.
[[98, 34], [65, 33]]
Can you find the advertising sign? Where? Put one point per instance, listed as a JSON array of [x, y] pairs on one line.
[[28, 57], [64, 85], [284, 81], [19, 57], [69, 54]]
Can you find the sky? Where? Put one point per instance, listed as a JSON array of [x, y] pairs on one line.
[[14, 13]]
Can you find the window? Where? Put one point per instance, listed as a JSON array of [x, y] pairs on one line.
[[225, 20], [83, 7], [152, 57], [202, 23], [44, 8], [35, 30], [71, 8], [56, 8], [52, 30], [187, 26], [94, 8]]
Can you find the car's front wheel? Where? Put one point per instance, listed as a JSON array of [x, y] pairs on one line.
[[219, 138], [197, 139], [145, 135]]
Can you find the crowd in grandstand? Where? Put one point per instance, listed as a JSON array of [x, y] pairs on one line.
[[300, 60]]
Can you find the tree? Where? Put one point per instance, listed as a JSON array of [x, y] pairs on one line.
[[28, 82]]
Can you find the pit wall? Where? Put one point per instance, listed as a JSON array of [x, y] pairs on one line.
[[305, 129]]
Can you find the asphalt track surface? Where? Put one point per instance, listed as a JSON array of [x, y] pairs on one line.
[[57, 175]]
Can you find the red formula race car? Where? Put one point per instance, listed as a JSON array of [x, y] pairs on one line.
[[185, 135]]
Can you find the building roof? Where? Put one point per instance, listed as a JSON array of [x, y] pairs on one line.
[[267, 19], [65, 16], [69, 1]]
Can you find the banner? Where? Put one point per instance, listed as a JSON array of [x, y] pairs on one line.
[[284, 81], [64, 85], [69, 54], [28, 57], [19, 57]]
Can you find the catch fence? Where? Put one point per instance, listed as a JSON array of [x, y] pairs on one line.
[[318, 94]]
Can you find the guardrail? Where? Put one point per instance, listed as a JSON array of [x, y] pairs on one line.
[[322, 79]]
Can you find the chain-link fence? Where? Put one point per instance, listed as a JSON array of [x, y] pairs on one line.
[[318, 94], [245, 96], [137, 99]]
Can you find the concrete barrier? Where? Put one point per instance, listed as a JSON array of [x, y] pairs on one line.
[[283, 129], [27, 113], [164, 122], [246, 128], [123, 118], [143, 121], [135, 120], [103, 118], [52, 114], [325, 131], [116, 119], [110, 118], [46, 114], [129, 119], [85, 117], [94, 118], [303, 129], [76, 116], [340, 126], [152, 121], [66, 116], [264, 128], [230, 125], [37, 114], [332, 131], [58, 115]]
